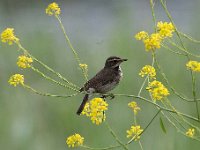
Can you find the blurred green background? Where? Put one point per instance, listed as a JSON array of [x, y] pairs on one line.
[[98, 29]]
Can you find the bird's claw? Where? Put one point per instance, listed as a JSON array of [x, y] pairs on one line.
[[108, 95]]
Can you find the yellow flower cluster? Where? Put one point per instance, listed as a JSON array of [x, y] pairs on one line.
[[134, 132], [8, 36], [24, 61], [148, 70], [157, 90], [75, 140], [84, 67], [134, 107], [53, 9], [95, 110], [154, 40], [165, 29], [194, 66], [141, 35], [16, 79], [190, 132]]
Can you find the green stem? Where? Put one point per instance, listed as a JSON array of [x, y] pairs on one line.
[[105, 148], [71, 46], [50, 79], [45, 66], [169, 49], [155, 104], [194, 95], [189, 37], [146, 126], [182, 44], [153, 14], [47, 94], [115, 136]]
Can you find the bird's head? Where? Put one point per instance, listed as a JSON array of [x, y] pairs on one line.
[[113, 62]]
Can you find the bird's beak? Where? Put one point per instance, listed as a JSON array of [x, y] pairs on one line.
[[124, 59]]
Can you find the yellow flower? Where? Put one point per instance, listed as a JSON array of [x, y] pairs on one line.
[[153, 42], [157, 90], [194, 66], [141, 35], [16, 79], [95, 110], [53, 9], [134, 132], [24, 61], [148, 70], [8, 36], [134, 106], [75, 140], [84, 67], [190, 132], [165, 29]]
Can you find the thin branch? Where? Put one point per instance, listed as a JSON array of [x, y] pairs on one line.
[[71, 47], [115, 136], [47, 94]]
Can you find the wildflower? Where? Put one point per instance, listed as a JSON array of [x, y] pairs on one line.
[[8, 36], [16, 79], [84, 67], [95, 110], [153, 42], [165, 29], [134, 106], [190, 132], [194, 66], [75, 140], [148, 70], [157, 90], [134, 132], [24, 61], [141, 35], [53, 9]]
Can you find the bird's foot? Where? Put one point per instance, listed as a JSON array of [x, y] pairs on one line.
[[108, 95]]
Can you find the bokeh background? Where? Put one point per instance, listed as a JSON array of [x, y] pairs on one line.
[[97, 29]]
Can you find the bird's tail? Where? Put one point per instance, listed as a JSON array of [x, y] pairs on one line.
[[81, 107]]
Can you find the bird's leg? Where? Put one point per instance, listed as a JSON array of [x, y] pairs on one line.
[[103, 113]]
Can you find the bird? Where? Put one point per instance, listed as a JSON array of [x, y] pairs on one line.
[[104, 81]]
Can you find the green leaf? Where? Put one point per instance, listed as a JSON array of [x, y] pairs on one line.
[[162, 126]]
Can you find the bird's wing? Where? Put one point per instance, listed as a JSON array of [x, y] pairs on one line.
[[102, 78]]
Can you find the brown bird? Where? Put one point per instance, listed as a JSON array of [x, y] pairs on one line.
[[104, 81]]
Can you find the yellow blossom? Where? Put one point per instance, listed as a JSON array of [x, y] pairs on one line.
[[134, 106], [84, 67], [153, 42], [157, 90], [95, 110], [141, 35], [190, 132], [75, 140], [148, 70], [53, 9], [134, 132], [8, 36], [16, 79], [165, 29], [194, 66], [24, 61]]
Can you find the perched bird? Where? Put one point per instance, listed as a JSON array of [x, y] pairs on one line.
[[104, 81]]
